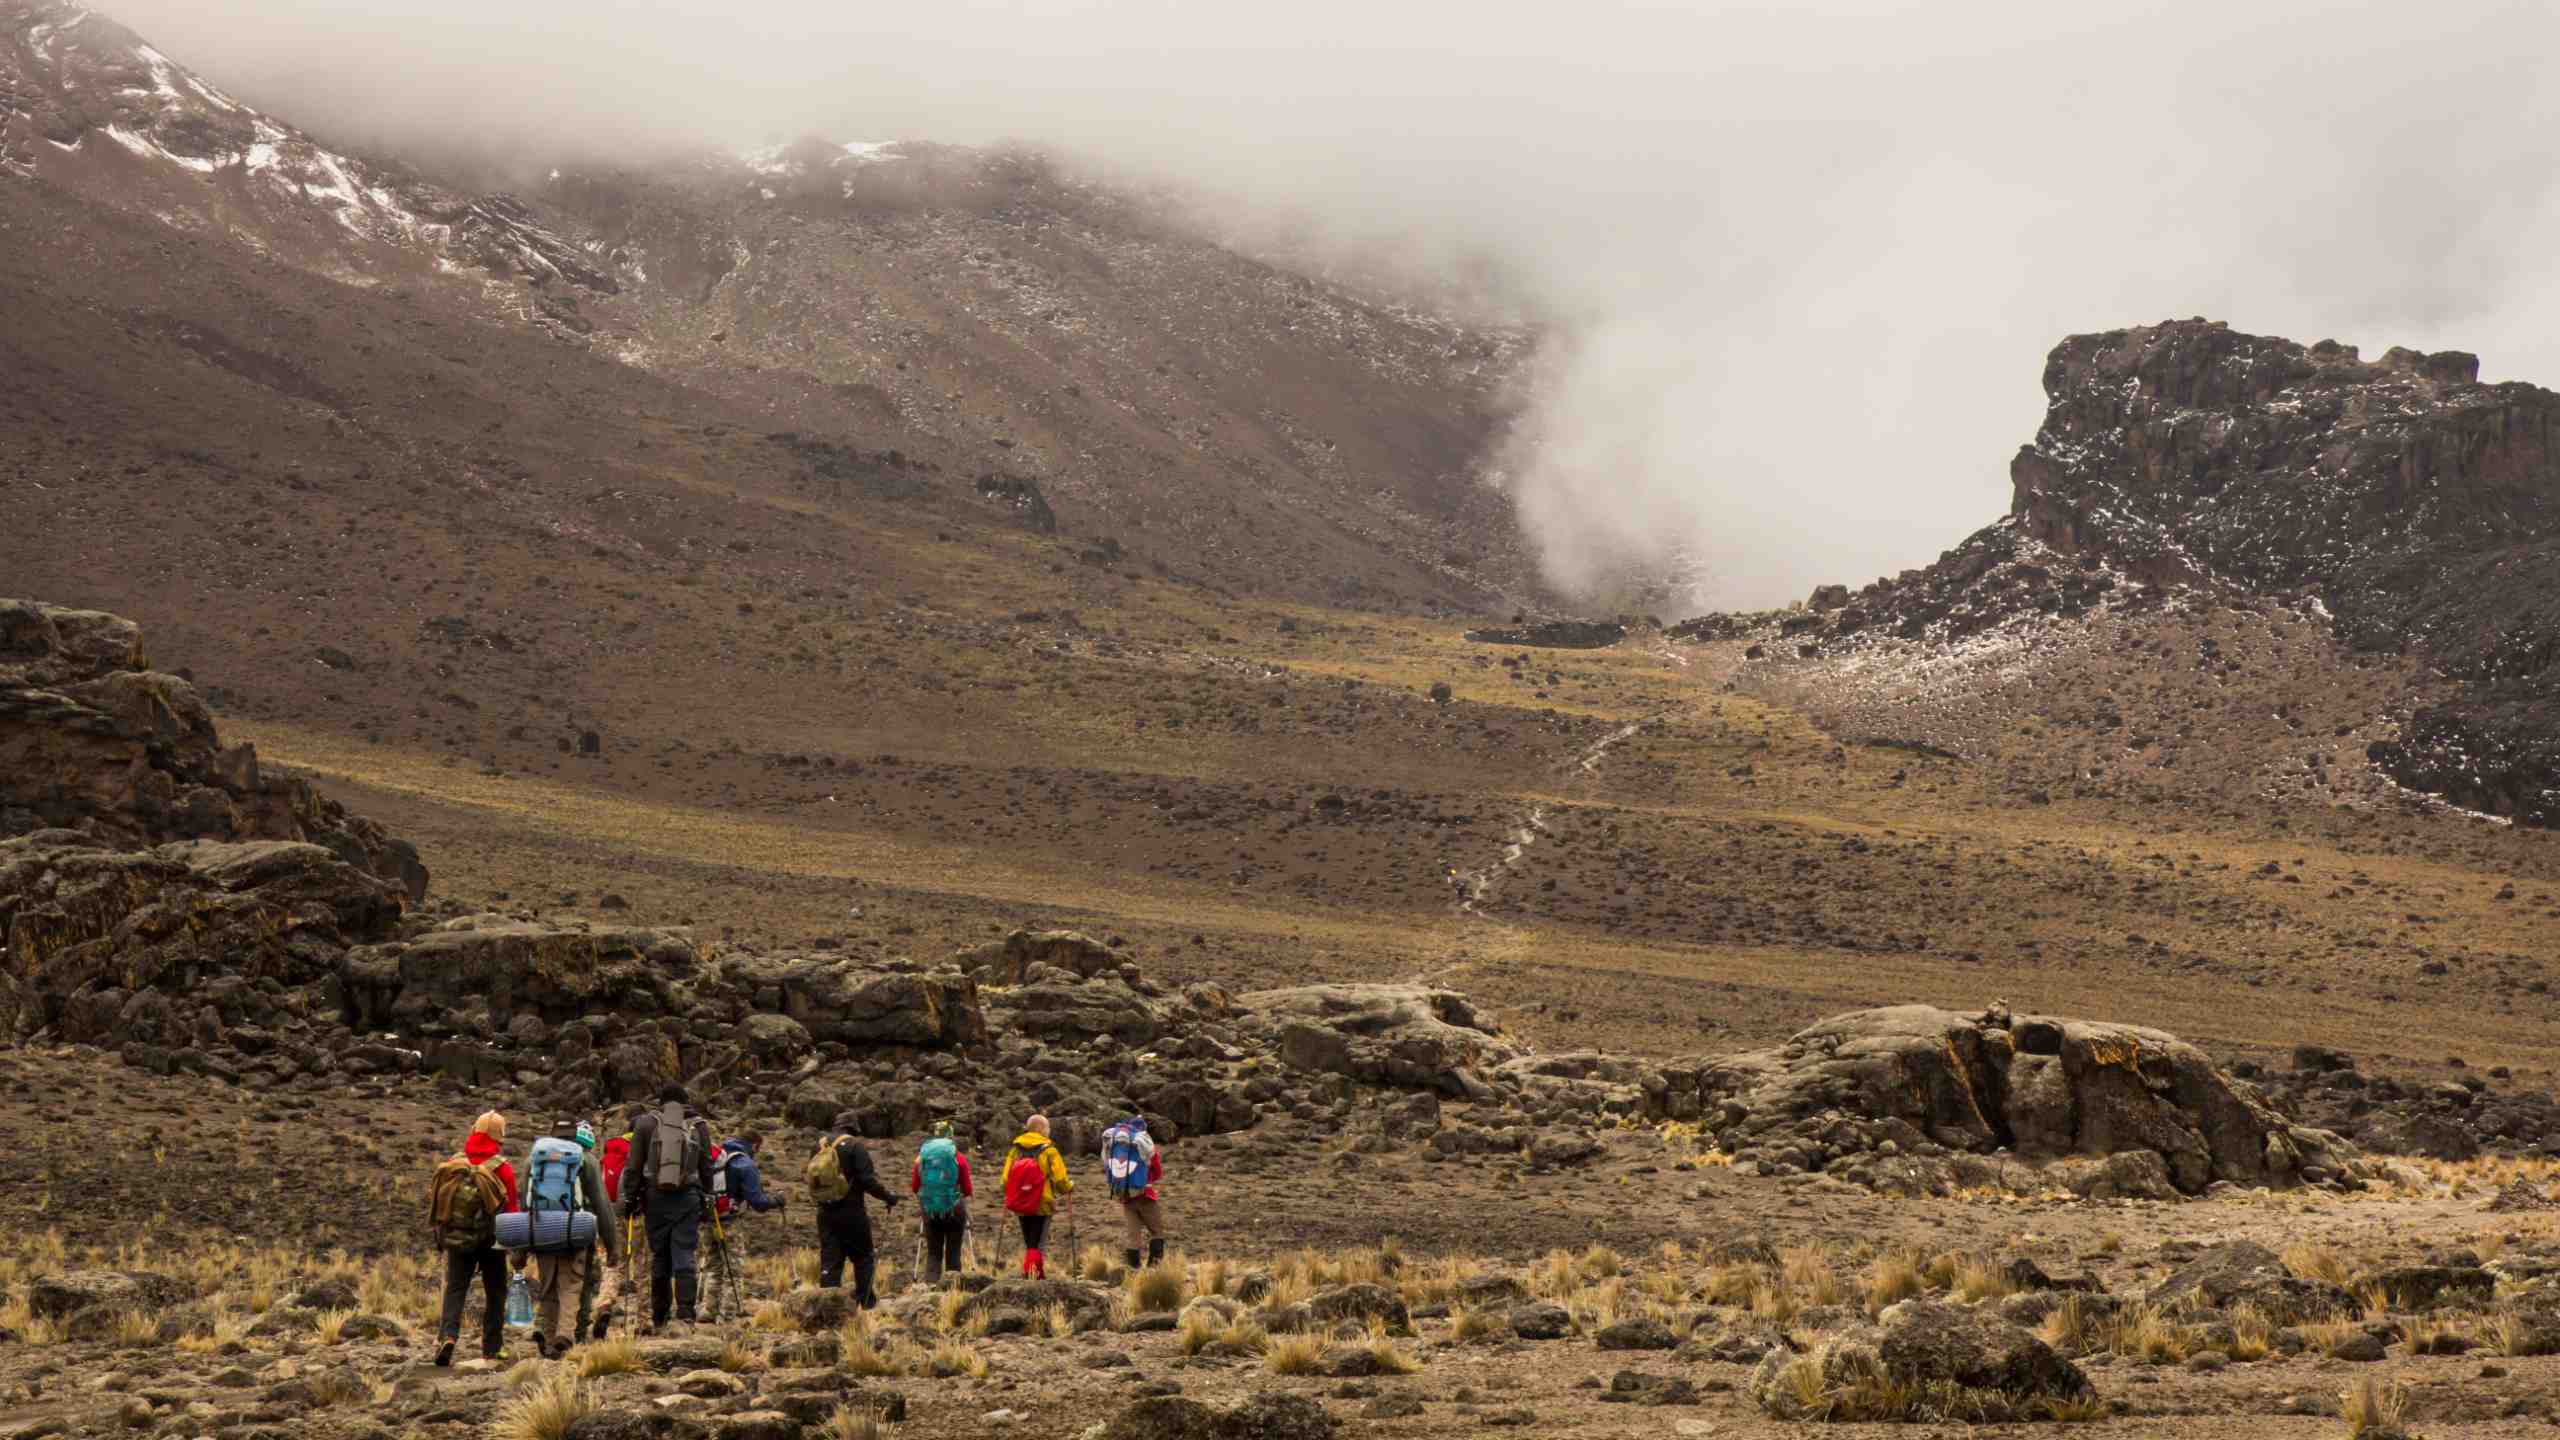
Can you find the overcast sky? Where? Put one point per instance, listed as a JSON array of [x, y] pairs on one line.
[[1803, 260]]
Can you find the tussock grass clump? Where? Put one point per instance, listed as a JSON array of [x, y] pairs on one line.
[[2508, 1333], [2146, 1335], [1981, 1279], [736, 1358], [545, 1411], [771, 1318], [1776, 1304], [1294, 1355], [1057, 1322], [1467, 1323], [617, 1356], [328, 1327], [1097, 1269], [2253, 1334], [1199, 1332], [951, 1359], [1384, 1352], [1733, 1284], [2434, 1335], [1156, 1290], [1894, 1278], [1209, 1277], [2316, 1262], [2068, 1328], [2327, 1336], [863, 1358], [1807, 1272], [524, 1375], [2374, 1407], [140, 1327], [852, 1423]]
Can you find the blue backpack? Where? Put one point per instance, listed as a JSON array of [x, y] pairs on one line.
[[551, 1175], [938, 1167], [1126, 1149]]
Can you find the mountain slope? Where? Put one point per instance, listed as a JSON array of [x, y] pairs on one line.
[[1210, 417]]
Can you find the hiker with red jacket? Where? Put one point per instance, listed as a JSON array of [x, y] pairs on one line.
[[939, 1180], [1132, 1165], [464, 1200]]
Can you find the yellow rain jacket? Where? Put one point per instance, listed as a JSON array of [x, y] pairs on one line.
[[1053, 1173]]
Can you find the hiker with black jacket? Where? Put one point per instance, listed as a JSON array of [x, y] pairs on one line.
[[666, 1178], [844, 1225]]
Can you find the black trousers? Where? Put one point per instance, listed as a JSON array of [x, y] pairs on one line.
[[943, 1235], [674, 1219], [491, 1266], [839, 1243]]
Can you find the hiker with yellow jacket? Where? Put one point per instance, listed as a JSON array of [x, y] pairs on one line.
[[1035, 1182]]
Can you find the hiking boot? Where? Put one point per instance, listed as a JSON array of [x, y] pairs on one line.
[[1131, 1256], [444, 1354], [541, 1347], [1155, 1252]]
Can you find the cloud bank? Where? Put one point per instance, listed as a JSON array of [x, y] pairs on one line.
[[1800, 262]]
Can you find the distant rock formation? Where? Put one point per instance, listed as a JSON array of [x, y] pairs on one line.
[[2419, 507]]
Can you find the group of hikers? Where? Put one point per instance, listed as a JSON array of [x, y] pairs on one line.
[[585, 1211]]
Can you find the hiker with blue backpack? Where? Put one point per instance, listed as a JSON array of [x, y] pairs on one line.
[[737, 1188], [940, 1181], [566, 1215], [1131, 1165]]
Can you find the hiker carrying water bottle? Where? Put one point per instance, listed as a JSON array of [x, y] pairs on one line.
[[940, 1180], [1132, 1165], [562, 1180], [1035, 1179]]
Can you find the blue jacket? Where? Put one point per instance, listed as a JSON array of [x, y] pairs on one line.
[[744, 1182]]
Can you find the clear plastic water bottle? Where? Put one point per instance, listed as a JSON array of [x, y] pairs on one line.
[[520, 1304]]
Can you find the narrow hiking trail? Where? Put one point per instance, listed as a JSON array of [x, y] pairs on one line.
[[1494, 939]]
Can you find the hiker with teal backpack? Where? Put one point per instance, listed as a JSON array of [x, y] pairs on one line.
[[1132, 1165], [940, 1180]]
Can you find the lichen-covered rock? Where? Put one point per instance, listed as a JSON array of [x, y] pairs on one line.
[[854, 1002], [1409, 1036], [2044, 1088], [555, 973], [52, 1297], [2243, 1272], [1921, 1359]]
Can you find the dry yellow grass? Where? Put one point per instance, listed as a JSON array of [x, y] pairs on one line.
[[545, 1409], [953, 1358], [1294, 1355], [1893, 1278], [2374, 1407], [617, 1356]]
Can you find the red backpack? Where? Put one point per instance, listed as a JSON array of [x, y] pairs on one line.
[[1025, 1183], [616, 1151]]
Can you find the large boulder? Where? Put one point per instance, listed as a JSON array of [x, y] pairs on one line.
[[2243, 1272], [1012, 960], [554, 972], [1409, 1036], [1920, 1360], [92, 740], [1018, 1305], [87, 928], [51, 1297], [857, 1002], [2041, 1087]]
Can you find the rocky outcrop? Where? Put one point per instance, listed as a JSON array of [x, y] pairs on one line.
[[1409, 1036], [1922, 1360], [93, 740], [2039, 1087]]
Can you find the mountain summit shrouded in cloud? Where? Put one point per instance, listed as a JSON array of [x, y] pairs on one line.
[[1789, 264]]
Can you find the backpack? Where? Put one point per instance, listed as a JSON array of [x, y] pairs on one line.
[[722, 1202], [551, 1176], [938, 1167], [616, 1153], [825, 1175], [463, 1201], [1126, 1150], [675, 1151], [1025, 1183]]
